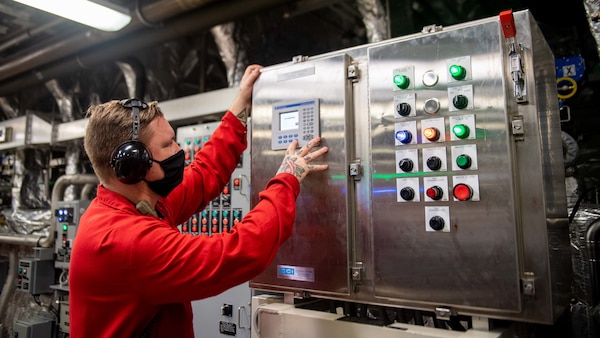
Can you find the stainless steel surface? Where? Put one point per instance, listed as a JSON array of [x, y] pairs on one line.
[[320, 239], [503, 253]]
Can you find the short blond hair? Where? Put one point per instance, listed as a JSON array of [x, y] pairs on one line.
[[109, 125]]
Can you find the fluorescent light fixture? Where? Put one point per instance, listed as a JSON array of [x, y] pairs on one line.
[[98, 14]]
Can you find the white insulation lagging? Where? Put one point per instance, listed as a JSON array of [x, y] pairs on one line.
[[592, 9], [375, 19], [232, 56]]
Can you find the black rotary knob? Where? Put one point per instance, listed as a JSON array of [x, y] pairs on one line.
[[407, 193], [406, 165], [434, 163], [436, 223]]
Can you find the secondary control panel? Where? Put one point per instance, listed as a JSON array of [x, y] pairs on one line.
[[429, 141], [294, 120], [227, 209], [67, 215]]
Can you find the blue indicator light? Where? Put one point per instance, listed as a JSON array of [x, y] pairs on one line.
[[404, 136]]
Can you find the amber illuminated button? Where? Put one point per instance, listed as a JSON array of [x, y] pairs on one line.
[[463, 161], [406, 165], [401, 81], [431, 133], [435, 193], [404, 136], [457, 72], [403, 109], [461, 130], [460, 101], [407, 193], [462, 192]]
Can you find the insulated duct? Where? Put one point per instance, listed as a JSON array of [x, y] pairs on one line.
[[155, 12], [233, 58], [218, 13], [375, 19], [592, 9]]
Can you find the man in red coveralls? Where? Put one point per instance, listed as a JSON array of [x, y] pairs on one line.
[[132, 273]]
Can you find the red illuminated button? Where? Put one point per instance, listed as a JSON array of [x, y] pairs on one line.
[[214, 230], [431, 133], [225, 221], [204, 221], [236, 183], [462, 192], [226, 190], [435, 193], [194, 228], [225, 229], [187, 156], [236, 221], [184, 228], [214, 221], [204, 229]]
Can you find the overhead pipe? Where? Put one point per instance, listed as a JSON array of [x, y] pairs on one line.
[[27, 33], [10, 284], [57, 195], [155, 12], [187, 24]]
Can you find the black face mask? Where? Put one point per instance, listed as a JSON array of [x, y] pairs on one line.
[[173, 168]]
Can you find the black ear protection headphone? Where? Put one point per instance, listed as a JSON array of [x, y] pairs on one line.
[[131, 159]]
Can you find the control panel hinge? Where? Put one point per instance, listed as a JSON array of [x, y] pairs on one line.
[[516, 70], [431, 29], [357, 271], [528, 283], [299, 58], [444, 313], [353, 73], [518, 130], [356, 170]]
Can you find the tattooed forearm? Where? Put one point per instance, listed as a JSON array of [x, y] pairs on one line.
[[289, 166], [243, 116]]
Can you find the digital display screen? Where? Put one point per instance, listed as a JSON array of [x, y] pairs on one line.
[[288, 120]]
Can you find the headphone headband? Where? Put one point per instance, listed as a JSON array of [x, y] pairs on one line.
[[135, 105], [131, 160]]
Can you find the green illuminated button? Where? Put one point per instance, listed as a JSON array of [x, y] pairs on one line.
[[457, 72], [463, 161], [65, 227], [461, 130], [402, 81]]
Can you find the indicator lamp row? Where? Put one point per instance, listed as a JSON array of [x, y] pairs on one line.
[[432, 105], [434, 163], [432, 134], [457, 72], [461, 192]]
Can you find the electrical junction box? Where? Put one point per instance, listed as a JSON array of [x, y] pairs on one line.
[[35, 276], [36, 327]]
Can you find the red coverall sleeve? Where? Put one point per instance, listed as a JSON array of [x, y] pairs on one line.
[[172, 267], [206, 176]]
